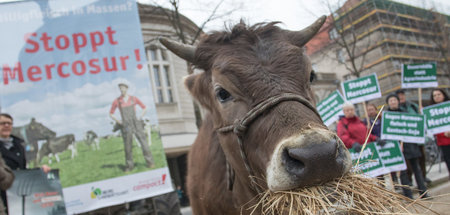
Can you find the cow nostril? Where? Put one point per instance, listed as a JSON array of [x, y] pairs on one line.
[[292, 162]]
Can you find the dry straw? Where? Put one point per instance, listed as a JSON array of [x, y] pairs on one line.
[[351, 194]]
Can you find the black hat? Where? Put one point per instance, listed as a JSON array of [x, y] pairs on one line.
[[123, 84], [391, 95], [400, 91]]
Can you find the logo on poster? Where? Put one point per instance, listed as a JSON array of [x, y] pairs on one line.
[[150, 183], [97, 193]]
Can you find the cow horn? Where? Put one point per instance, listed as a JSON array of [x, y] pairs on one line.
[[300, 38], [182, 50]]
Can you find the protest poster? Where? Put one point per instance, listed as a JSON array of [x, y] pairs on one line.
[[36, 192], [392, 156], [361, 89], [62, 69], [403, 127], [419, 75], [437, 117], [331, 107], [369, 161]]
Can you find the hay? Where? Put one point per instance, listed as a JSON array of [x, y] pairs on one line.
[[353, 193], [350, 194]]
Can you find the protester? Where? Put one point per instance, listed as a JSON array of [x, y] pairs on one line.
[[351, 129], [413, 108], [11, 149], [406, 106], [372, 111], [442, 139], [411, 152]]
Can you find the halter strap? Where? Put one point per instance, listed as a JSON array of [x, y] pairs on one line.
[[239, 128]]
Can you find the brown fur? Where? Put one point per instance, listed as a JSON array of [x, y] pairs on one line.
[[252, 64]]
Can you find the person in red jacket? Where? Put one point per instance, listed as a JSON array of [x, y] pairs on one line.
[[352, 130], [442, 139]]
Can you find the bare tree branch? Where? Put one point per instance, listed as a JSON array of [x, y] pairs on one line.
[[175, 18], [348, 40]]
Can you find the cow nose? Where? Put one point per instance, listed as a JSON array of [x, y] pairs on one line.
[[312, 157], [313, 163]]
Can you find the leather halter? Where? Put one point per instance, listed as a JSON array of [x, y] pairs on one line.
[[240, 126]]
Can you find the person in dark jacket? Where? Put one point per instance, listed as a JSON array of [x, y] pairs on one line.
[[412, 153], [11, 149], [351, 129], [413, 108], [442, 139]]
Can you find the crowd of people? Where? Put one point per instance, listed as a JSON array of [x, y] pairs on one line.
[[352, 131]]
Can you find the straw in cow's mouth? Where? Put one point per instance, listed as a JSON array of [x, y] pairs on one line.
[[350, 194]]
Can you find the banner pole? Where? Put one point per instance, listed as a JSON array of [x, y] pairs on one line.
[[420, 100], [366, 114]]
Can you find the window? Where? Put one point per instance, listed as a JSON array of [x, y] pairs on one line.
[[153, 54], [158, 86], [168, 84], [160, 74], [314, 67], [340, 56], [397, 64], [333, 34]]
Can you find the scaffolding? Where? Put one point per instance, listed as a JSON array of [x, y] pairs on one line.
[[389, 34]]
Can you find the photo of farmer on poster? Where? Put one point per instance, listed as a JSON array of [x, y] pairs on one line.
[[76, 81]]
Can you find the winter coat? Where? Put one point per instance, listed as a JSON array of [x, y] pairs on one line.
[[352, 130], [15, 156], [376, 130], [409, 107], [442, 140], [6, 180]]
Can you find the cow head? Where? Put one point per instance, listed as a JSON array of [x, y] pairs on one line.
[[38, 131], [287, 145]]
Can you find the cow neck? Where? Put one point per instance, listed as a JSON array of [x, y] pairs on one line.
[[240, 126]]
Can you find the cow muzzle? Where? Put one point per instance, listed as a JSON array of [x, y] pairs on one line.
[[310, 158]]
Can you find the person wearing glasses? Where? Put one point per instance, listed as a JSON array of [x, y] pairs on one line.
[[12, 151]]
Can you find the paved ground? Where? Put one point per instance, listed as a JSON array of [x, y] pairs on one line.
[[439, 191], [440, 201]]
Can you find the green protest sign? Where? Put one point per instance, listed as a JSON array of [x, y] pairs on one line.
[[369, 163], [392, 156], [403, 126], [361, 89], [419, 75], [437, 117], [330, 108]]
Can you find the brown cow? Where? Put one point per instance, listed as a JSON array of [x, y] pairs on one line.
[[261, 130]]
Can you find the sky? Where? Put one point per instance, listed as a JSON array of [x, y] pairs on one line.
[[295, 14]]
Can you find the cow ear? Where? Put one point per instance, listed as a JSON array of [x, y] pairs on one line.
[[200, 88]]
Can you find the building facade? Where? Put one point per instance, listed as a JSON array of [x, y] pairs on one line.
[[381, 35], [174, 105]]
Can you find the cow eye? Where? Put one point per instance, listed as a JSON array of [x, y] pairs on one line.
[[223, 95]]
